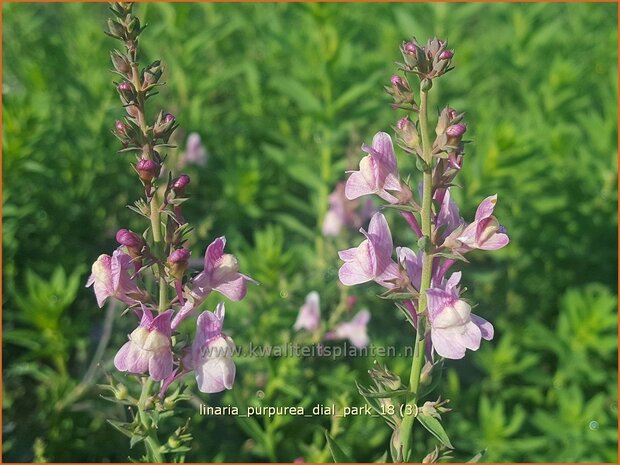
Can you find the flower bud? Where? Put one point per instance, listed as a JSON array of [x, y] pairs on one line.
[[152, 73], [147, 170], [116, 29], [129, 239], [455, 134], [456, 130], [411, 53], [120, 392], [126, 91], [446, 55], [121, 131], [120, 62], [180, 183], [408, 133], [177, 263], [164, 126]]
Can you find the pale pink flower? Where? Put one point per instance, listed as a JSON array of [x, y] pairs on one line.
[[378, 171], [211, 353], [344, 212], [484, 233], [372, 259], [453, 327], [110, 277], [221, 274], [149, 347], [354, 330], [309, 317]]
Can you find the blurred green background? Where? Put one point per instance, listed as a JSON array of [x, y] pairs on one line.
[[282, 96]]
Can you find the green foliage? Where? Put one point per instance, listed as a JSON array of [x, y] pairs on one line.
[[283, 95]]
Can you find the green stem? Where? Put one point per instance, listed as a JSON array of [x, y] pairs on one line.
[[151, 442], [418, 351]]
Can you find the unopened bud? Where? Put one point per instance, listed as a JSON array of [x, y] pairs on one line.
[[397, 81], [152, 73], [120, 129], [164, 126], [180, 183], [121, 392], [116, 29], [456, 130], [408, 132], [147, 170], [177, 262], [125, 89], [446, 55], [129, 239], [120, 62], [410, 48]]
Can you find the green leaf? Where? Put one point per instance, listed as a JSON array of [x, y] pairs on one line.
[[476, 458], [337, 453], [434, 427], [122, 427]]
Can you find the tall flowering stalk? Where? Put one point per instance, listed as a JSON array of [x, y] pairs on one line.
[[419, 281], [154, 356]]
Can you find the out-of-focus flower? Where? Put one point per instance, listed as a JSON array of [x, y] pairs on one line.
[[211, 353], [110, 278], [344, 212], [453, 327], [309, 316], [195, 151], [378, 171], [354, 330], [484, 233], [372, 259], [149, 347]]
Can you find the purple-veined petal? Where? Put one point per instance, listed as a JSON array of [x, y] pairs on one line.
[[486, 329], [357, 186], [486, 207], [161, 365]]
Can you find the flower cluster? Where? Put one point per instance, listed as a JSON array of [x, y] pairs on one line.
[[419, 279], [453, 328], [160, 252]]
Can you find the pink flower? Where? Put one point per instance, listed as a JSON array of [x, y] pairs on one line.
[[211, 353], [309, 317], [378, 171], [149, 348], [372, 259], [484, 233], [110, 277], [344, 212], [354, 330], [195, 152], [221, 273], [453, 327]]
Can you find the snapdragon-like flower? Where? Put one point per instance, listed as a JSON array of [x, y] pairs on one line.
[[149, 347], [372, 259], [378, 171], [354, 330], [211, 353], [309, 317], [484, 233], [221, 274], [453, 327], [110, 278]]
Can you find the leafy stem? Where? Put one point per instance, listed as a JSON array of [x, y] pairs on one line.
[[151, 442]]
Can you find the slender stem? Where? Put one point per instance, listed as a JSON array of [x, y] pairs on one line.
[[151, 442], [419, 348]]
